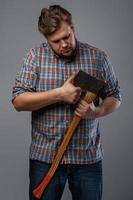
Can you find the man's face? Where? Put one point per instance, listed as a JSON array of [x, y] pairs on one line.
[[63, 40]]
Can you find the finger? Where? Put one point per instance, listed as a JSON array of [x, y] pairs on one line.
[[78, 90], [83, 104], [77, 96], [76, 100], [77, 113], [80, 106], [70, 79], [78, 110]]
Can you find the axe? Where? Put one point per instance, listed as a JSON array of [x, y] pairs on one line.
[[91, 86]]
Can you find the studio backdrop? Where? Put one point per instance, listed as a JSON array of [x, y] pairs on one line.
[[105, 24]]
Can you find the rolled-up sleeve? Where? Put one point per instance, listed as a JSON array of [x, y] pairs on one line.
[[112, 87], [26, 78]]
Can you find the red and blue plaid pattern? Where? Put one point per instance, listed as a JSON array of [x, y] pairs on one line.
[[42, 70]]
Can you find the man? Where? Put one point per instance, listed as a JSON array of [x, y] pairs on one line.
[[45, 86]]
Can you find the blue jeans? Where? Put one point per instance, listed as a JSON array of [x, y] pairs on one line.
[[85, 181]]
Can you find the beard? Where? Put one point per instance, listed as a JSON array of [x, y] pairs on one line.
[[66, 55]]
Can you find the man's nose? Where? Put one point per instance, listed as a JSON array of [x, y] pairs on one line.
[[63, 43]]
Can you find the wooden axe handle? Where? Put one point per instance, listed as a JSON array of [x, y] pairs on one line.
[[37, 192]]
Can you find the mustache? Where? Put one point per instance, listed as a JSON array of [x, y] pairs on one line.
[[61, 55]]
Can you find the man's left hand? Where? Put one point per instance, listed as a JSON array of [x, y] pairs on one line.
[[85, 110]]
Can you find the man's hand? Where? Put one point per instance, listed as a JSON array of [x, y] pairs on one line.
[[85, 110], [70, 93], [90, 111]]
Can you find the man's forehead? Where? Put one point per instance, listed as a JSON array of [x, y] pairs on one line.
[[63, 31], [60, 36]]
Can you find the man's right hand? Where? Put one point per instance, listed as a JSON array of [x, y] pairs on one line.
[[70, 93]]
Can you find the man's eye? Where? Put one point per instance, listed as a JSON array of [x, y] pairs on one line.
[[56, 41], [66, 37]]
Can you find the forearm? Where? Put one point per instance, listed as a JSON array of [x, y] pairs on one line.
[[109, 105], [31, 101], [90, 111]]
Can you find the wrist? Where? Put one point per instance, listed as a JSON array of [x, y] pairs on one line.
[[99, 112], [59, 92]]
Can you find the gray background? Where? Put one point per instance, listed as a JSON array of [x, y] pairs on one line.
[[103, 23]]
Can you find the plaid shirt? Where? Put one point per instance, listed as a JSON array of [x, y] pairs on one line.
[[43, 70]]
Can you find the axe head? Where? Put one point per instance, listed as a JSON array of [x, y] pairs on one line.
[[87, 82]]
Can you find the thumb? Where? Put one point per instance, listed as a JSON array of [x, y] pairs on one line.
[[70, 79]]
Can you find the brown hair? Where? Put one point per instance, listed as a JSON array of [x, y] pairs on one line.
[[50, 19]]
